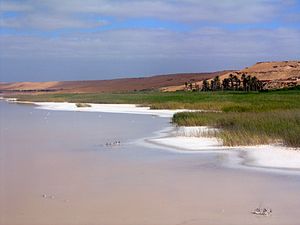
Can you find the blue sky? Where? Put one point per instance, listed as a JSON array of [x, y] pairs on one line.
[[104, 39]]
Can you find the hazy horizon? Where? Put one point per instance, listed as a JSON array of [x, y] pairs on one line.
[[102, 39], [119, 76]]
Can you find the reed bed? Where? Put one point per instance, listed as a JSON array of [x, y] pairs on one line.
[[248, 128]]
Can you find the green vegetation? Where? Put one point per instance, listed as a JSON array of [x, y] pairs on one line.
[[82, 105], [248, 128], [245, 118], [223, 101]]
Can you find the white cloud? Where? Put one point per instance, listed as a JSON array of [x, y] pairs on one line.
[[66, 13], [14, 6], [228, 11], [53, 22], [157, 43]]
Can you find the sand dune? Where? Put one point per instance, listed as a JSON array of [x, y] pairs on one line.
[[115, 85]]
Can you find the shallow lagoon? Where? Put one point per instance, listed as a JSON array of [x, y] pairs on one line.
[[55, 168]]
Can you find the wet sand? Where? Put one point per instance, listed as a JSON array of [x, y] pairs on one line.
[[56, 169]]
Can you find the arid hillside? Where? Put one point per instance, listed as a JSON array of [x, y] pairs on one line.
[[273, 74], [274, 70], [115, 85]]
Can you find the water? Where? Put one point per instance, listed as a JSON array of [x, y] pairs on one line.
[[55, 168]]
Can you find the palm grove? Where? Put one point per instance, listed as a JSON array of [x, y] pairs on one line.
[[233, 83]]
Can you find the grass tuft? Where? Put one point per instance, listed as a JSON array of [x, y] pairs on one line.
[[82, 105]]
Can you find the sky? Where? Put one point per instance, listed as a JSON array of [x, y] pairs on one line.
[[43, 40]]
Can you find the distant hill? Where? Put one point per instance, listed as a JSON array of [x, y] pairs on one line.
[[273, 74], [115, 85]]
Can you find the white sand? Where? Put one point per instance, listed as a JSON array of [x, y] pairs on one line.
[[273, 156], [187, 139], [263, 156], [8, 99], [107, 108], [189, 143]]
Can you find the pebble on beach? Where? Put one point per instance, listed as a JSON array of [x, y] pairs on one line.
[[48, 196], [262, 212]]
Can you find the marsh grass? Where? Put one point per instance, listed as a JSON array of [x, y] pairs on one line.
[[248, 128], [83, 105], [224, 101]]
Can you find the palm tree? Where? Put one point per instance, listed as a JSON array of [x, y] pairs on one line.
[[244, 81], [237, 82], [231, 80], [213, 85], [225, 84], [217, 83], [190, 86], [253, 84], [248, 82], [205, 85]]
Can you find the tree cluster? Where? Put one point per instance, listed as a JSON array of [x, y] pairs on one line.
[[246, 83]]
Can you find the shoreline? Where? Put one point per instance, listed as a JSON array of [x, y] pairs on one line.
[[190, 139], [186, 140], [107, 108]]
